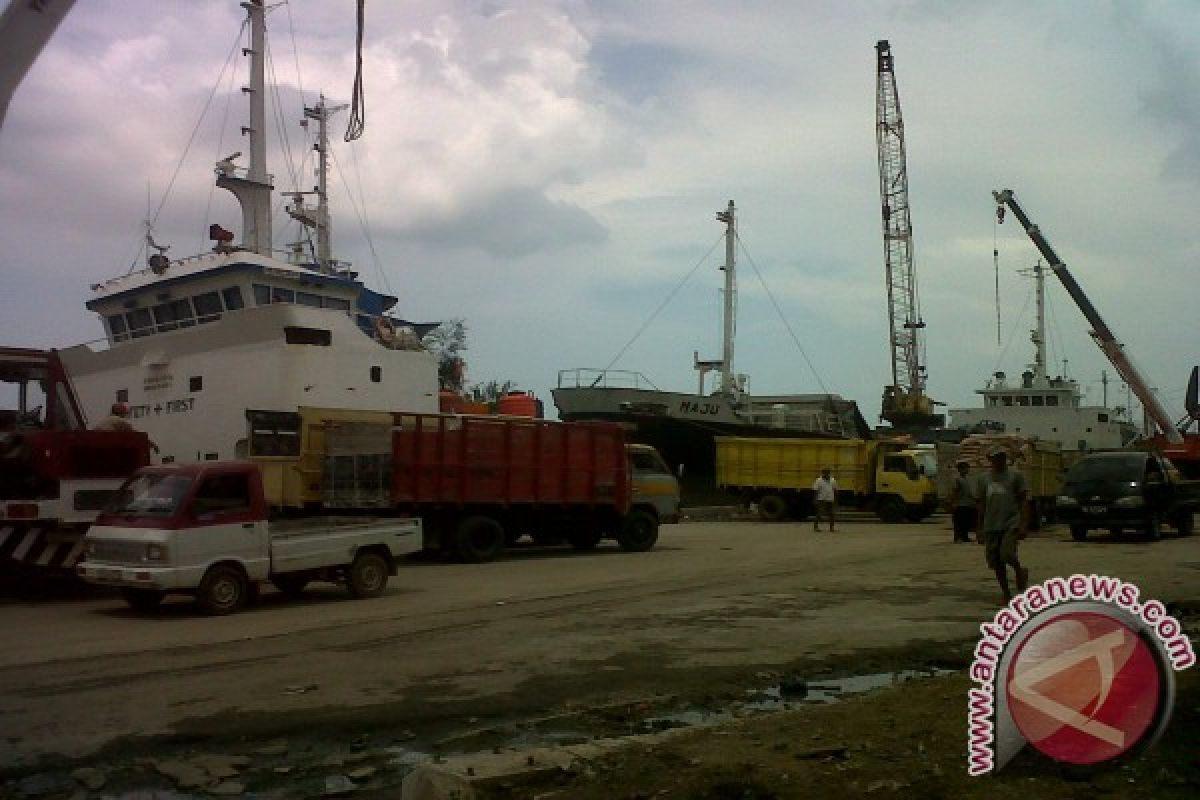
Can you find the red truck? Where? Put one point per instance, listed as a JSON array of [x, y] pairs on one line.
[[477, 483], [55, 475]]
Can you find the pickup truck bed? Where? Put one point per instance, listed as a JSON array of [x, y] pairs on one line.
[[314, 543]]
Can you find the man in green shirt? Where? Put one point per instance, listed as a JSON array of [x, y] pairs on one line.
[[1003, 520]]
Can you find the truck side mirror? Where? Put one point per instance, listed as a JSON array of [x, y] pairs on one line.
[[680, 471]]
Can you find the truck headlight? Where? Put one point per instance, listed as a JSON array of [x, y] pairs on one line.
[[1132, 501], [156, 552], [1065, 500]]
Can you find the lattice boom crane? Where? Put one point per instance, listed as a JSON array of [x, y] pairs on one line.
[[905, 404]]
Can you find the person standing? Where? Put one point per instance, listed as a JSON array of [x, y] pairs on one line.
[[118, 420], [825, 494], [1003, 506], [962, 503]]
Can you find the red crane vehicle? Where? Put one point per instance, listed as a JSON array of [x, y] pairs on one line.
[[1171, 438], [55, 475]]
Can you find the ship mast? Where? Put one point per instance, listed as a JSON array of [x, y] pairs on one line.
[[253, 187], [729, 382], [730, 306], [318, 218], [1038, 334]]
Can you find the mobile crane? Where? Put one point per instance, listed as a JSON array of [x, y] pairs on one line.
[[905, 403], [1183, 450]]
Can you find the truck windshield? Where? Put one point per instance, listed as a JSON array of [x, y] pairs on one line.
[[1107, 469], [150, 495]]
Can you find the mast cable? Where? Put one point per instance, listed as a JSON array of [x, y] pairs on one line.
[[664, 303], [996, 270], [179, 164], [782, 318]]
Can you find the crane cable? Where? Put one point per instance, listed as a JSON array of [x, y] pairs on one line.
[[358, 102], [996, 269]]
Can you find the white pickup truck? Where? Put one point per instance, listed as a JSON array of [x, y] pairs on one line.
[[202, 529]]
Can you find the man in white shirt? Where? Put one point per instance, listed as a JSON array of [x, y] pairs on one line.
[[825, 495]]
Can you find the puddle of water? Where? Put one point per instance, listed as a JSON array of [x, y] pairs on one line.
[[832, 690], [682, 719]]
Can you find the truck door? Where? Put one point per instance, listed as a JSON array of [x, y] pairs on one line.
[[223, 525]]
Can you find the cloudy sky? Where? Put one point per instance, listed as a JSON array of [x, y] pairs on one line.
[[549, 171]]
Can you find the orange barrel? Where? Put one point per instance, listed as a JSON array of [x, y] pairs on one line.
[[518, 404]]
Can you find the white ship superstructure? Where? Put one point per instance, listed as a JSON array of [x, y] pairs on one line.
[[192, 344], [1047, 407]]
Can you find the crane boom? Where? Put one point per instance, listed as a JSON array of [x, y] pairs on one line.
[[1113, 349], [904, 401]]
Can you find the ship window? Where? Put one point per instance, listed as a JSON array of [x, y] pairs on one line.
[[208, 306], [297, 335], [196, 383], [1052, 400], [281, 295], [1007, 400], [122, 395], [176, 314], [1038, 400], [233, 298], [116, 326], [262, 295], [991, 401], [376, 374], [1022, 400], [340, 303], [306, 299], [140, 322], [182, 309], [1102, 418]]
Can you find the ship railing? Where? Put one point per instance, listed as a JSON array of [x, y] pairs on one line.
[[815, 421], [590, 378]]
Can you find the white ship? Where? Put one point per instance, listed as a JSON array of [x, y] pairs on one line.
[[192, 344], [1047, 407]]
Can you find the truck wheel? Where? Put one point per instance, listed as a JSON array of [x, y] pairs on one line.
[[291, 584], [1184, 523], [478, 539], [1079, 532], [368, 575], [222, 590], [892, 509], [143, 599], [639, 532], [772, 508]]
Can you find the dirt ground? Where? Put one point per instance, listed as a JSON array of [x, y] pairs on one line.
[[709, 635]]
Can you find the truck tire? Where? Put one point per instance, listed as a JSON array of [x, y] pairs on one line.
[[1079, 532], [292, 584], [639, 532], [222, 591], [368, 575], [1184, 522], [143, 599], [478, 539], [772, 507], [892, 509]]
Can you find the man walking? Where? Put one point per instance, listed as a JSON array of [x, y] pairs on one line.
[[1003, 520], [962, 503], [825, 495]]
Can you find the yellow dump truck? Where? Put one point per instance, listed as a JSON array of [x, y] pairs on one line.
[[894, 480], [1041, 461]]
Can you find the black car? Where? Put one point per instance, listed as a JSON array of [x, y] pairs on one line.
[[1128, 489]]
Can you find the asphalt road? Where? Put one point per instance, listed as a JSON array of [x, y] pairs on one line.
[[535, 627]]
